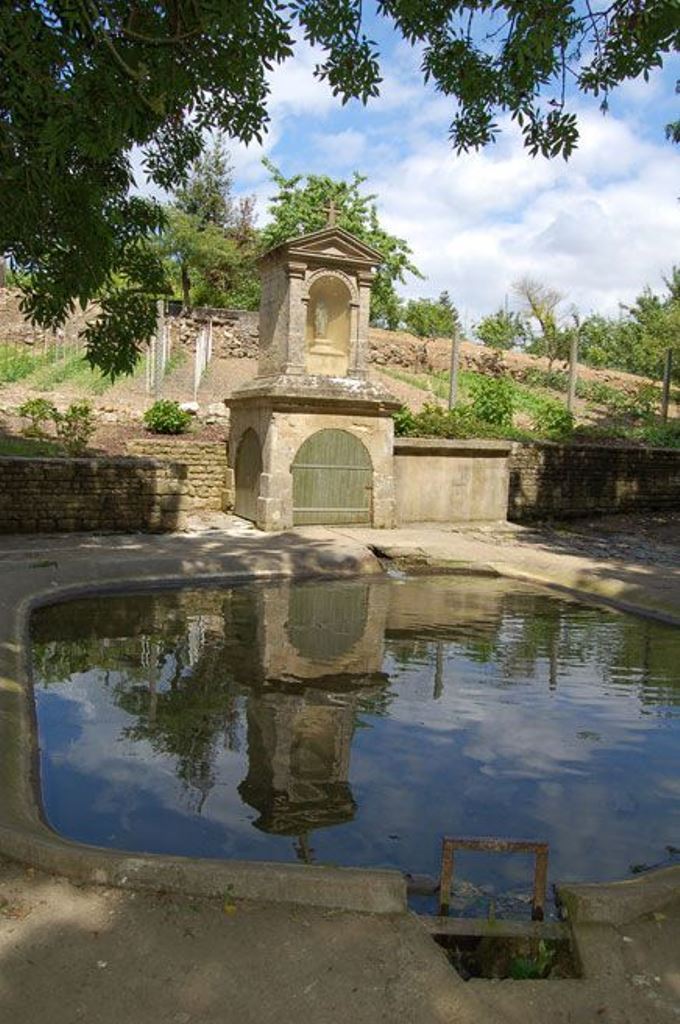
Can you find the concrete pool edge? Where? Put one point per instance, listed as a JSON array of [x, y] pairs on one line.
[[24, 834]]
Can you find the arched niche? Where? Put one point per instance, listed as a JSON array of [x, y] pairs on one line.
[[327, 336], [247, 471]]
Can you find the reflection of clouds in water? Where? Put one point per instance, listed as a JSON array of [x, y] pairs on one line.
[[130, 771], [524, 732]]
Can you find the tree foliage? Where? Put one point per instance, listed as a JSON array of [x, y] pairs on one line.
[[83, 83], [431, 318], [502, 330], [209, 241], [300, 206], [637, 339]]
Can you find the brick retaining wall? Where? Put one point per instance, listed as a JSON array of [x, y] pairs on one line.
[[552, 480], [205, 463], [123, 495]]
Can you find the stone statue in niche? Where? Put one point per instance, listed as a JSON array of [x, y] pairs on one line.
[[320, 320], [328, 328]]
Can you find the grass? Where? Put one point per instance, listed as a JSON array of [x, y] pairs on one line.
[[526, 399], [72, 370], [29, 447], [16, 363], [45, 371]]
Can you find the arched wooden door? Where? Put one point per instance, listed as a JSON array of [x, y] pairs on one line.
[[247, 472], [332, 480]]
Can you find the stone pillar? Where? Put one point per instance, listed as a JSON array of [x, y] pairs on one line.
[[364, 280], [384, 503], [297, 319], [355, 368], [275, 503]]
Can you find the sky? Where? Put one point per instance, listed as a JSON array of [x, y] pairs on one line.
[[597, 228]]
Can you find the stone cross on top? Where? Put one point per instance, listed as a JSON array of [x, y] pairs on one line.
[[331, 212]]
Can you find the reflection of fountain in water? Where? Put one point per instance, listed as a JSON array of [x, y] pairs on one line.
[[298, 754], [322, 651]]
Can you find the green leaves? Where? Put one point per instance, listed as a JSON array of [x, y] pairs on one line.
[[300, 207], [431, 318]]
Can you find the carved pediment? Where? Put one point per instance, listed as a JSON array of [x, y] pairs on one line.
[[331, 245]]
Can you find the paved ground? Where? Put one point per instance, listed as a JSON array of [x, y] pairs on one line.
[[632, 562], [70, 953], [102, 956]]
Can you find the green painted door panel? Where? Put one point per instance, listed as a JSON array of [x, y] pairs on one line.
[[332, 480]]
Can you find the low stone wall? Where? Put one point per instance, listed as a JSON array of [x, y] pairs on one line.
[[553, 481], [126, 495], [205, 463], [442, 481]]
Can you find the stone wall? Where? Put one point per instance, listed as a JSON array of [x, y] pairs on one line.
[[235, 331], [16, 329], [442, 481], [121, 495], [205, 465], [551, 480]]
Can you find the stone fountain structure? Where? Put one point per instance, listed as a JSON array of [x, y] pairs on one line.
[[311, 436]]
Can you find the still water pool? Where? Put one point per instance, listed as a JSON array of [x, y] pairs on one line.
[[355, 723]]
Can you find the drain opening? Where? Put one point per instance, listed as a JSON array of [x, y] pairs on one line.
[[523, 950], [526, 958]]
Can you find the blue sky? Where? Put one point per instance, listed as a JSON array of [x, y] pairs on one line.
[[597, 228]]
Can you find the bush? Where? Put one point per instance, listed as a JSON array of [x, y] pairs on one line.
[[662, 435], [644, 402], [38, 411], [166, 417], [554, 421], [493, 401], [555, 380], [435, 421], [404, 423], [75, 427]]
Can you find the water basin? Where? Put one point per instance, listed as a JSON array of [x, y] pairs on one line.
[[356, 723]]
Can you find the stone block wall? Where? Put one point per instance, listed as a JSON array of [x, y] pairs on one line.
[[121, 495], [442, 481], [205, 464], [562, 481]]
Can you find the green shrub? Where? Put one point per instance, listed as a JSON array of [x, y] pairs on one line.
[[554, 421], [404, 422], [435, 421], [75, 427], [644, 402], [166, 417], [38, 411], [535, 377], [493, 401], [662, 435]]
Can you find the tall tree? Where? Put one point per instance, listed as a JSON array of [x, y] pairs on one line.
[[82, 84], [301, 205], [207, 195], [541, 304], [209, 238]]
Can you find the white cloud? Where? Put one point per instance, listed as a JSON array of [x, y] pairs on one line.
[[598, 227], [342, 149]]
